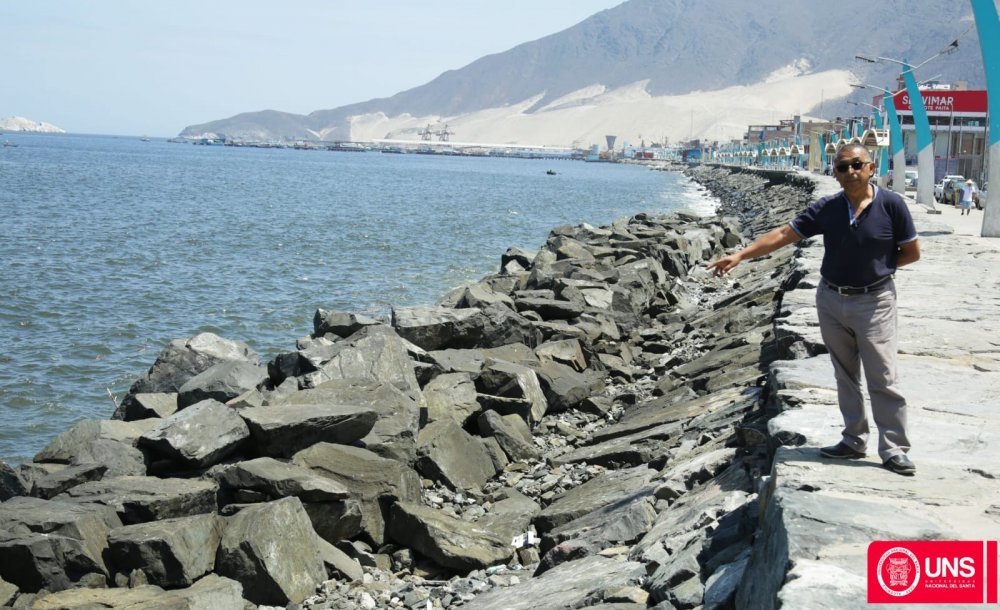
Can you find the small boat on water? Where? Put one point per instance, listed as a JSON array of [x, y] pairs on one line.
[[9, 144], [551, 172]]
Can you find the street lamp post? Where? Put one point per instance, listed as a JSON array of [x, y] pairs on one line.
[[925, 145], [988, 25]]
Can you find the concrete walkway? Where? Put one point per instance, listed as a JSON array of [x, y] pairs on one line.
[[821, 514]]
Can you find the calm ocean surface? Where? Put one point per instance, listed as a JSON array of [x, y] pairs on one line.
[[110, 247]]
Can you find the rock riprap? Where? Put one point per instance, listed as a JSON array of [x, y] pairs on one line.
[[582, 428]]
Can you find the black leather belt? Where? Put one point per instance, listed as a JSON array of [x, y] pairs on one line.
[[849, 290]]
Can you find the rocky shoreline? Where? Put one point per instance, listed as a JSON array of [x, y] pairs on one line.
[[585, 428]]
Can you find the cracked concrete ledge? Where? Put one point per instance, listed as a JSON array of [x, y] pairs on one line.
[[818, 516]]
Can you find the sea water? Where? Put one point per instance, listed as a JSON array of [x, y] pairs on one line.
[[110, 247]]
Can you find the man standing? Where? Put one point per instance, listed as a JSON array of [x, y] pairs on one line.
[[967, 194], [867, 234]]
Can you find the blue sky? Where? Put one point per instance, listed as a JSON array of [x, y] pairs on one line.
[[134, 67]]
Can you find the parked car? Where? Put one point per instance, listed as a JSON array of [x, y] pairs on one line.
[[952, 186], [939, 191], [948, 184], [910, 177]]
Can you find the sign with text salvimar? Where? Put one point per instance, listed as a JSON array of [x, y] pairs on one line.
[[940, 100], [932, 572]]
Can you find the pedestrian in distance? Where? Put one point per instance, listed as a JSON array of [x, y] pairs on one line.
[[868, 233], [968, 192]]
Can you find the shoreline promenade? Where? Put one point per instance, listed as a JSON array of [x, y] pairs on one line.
[[819, 516]]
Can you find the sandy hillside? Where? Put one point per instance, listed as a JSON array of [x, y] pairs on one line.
[[586, 116]]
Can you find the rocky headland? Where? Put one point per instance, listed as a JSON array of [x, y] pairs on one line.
[[592, 426], [19, 123]]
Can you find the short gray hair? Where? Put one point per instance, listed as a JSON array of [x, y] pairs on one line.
[[855, 146]]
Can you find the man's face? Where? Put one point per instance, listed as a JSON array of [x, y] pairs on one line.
[[853, 165]]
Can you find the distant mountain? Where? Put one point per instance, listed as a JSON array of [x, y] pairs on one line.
[[19, 123], [657, 50]]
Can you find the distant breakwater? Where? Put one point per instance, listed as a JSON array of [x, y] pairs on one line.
[[585, 426]]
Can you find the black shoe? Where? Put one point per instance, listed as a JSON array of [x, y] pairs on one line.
[[900, 464], [841, 451]]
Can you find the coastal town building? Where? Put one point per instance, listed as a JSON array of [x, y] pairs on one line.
[[958, 120]]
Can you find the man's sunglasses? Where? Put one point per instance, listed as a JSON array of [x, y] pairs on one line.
[[855, 165]]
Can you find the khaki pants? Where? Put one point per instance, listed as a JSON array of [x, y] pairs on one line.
[[860, 330]]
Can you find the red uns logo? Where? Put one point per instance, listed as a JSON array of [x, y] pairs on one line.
[[898, 571], [929, 572]]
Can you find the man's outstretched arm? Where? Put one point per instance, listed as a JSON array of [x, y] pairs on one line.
[[765, 244]]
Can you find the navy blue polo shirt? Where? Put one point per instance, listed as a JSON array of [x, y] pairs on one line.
[[858, 251]]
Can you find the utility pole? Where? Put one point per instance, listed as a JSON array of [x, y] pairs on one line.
[[988, 26]]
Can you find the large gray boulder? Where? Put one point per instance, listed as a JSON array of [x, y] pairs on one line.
[[33, 561], [398, 411], [674, 528], [172, 553], [434, 328], [450, 455], [222, 382], [641, 281], [375, 353], [448, 541], [278, 480], [141, 499], [334, 513], [566, 351], [272, 550], [11, 483], [563, 387], [550, 309], [482, 295], [511, 514], [511, 433], [201, 435], [575, 584], [65, 447], [280, 431], [619, 523], [451, 396], [375, 482], [145, 406], [341, 323], [340, 563], [7, 592], [521, 256], [54, 483], [471, 361], [509, 380], [118, 458], [183, 359], [633, 449], [213, 592], [50, 544], [145, 597], [598, 492], [504, 326]]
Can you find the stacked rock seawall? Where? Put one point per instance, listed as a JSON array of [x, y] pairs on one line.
[[586, 427]]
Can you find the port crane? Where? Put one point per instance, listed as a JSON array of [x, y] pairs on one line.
[[444, 134]]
